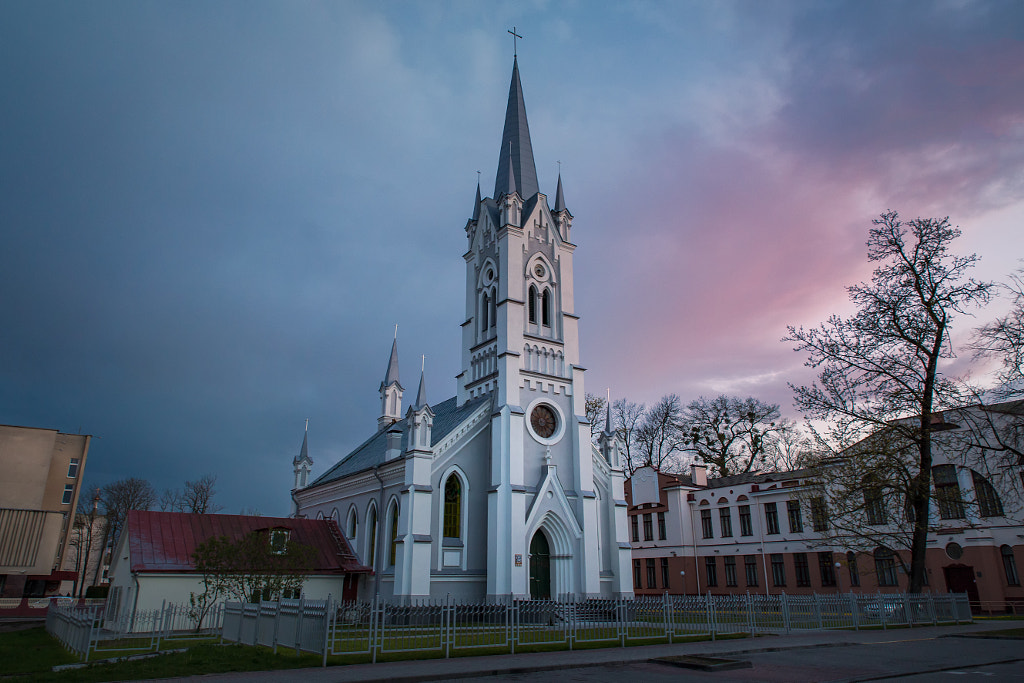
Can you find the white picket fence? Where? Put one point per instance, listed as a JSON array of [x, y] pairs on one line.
[[89, 631], [335, 628]]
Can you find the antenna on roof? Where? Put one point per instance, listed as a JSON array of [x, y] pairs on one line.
[[515, 36]]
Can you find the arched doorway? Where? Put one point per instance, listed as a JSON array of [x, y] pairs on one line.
[[540, 567]]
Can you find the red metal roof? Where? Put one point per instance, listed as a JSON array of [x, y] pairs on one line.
[[165, 541]]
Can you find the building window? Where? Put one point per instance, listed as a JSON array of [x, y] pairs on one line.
[[353, 522], [802, 570], [947, 492], [371, 541], [750, 568], [1009, 566], [851, 565], [827, 569], [730, 571], [711, 571], [664, 572], [279, 541], [651, 582], [771, 518], [531, 304], [725, 518], [885, 567], [705, 524], [746, 527], [635, 523], [73, 468], [453, 507], [69, 492], [637, 574], [778, 570], [796, 520], [662, 535], [648, 528], [874, 506], [819, 514], [545, 308], [989, 504], [393, 548]]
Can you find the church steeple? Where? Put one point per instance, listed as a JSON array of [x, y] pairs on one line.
[[391, 390], [301, 466], [516, 167]]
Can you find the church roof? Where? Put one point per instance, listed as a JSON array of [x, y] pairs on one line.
[[516, 155], [165, 541], [447, 416]]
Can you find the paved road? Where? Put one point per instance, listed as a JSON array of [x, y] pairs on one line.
[[944, 659], [924, 654]]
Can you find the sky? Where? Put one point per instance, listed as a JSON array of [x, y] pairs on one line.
[[213, 214]]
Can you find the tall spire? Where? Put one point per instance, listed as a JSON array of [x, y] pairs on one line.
[[516, 155]]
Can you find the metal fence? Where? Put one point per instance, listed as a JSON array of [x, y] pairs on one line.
[[88, 631], [339, 628]]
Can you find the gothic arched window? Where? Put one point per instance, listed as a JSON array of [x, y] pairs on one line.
[[351, 524], [989, 504], [371, 532], [492, 315], [393, 522], [531, 304], [545, 308], [453, 507], [485, 314]]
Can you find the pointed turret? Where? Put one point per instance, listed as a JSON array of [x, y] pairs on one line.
[[559, 199], [476, 204], [302, 465], [563, 219], [516, 167], [419, 417], [608, 440], [391, 390], [421, 395]]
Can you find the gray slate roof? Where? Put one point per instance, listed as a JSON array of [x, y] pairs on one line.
[[447, 416], [516, 153], [759, 477]]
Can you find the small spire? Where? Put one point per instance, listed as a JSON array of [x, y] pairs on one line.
[[608, 410], [515, 158], [421, 395], [391, 376], [304, 451], [476, 204], [559, 199]]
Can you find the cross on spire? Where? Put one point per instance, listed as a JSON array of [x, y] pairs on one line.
[[515, 36]]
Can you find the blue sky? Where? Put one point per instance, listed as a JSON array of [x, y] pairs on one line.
[[214, 213]]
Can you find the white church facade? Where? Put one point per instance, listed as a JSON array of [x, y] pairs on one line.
[[497, 492]]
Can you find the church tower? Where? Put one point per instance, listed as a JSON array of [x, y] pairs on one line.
[[520, 346]]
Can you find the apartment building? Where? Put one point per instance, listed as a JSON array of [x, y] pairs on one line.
[[42, 474], [766, 533]]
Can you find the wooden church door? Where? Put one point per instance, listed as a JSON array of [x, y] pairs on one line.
[[540, 567]]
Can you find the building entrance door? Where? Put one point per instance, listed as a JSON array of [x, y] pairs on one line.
[[960, 579], [540, 567]]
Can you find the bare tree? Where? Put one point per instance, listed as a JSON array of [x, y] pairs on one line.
[[197, 497], [732, 435], [595, 406], [627, 417], [659, 440], [118, 497], [84, 537], [883, 363], [1003, 340], [170, 500], [793, 449]]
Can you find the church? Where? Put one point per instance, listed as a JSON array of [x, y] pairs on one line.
[[498, 492]]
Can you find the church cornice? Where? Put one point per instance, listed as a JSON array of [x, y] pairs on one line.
[[546, 340]]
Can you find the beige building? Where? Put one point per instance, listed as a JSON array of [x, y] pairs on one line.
[[42, 474]]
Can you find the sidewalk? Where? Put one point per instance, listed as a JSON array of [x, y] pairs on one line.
[[465, 667]]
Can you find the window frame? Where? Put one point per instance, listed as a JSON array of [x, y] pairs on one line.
[[794, 516], [73, 467], [730, 571], [801, 570], [778, 564], [746, 521], [706, 525], [725, 521], [711, 571], [771, 519], [68, 495]]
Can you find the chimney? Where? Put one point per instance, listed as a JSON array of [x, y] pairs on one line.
[[699, 474], [394, 444]]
